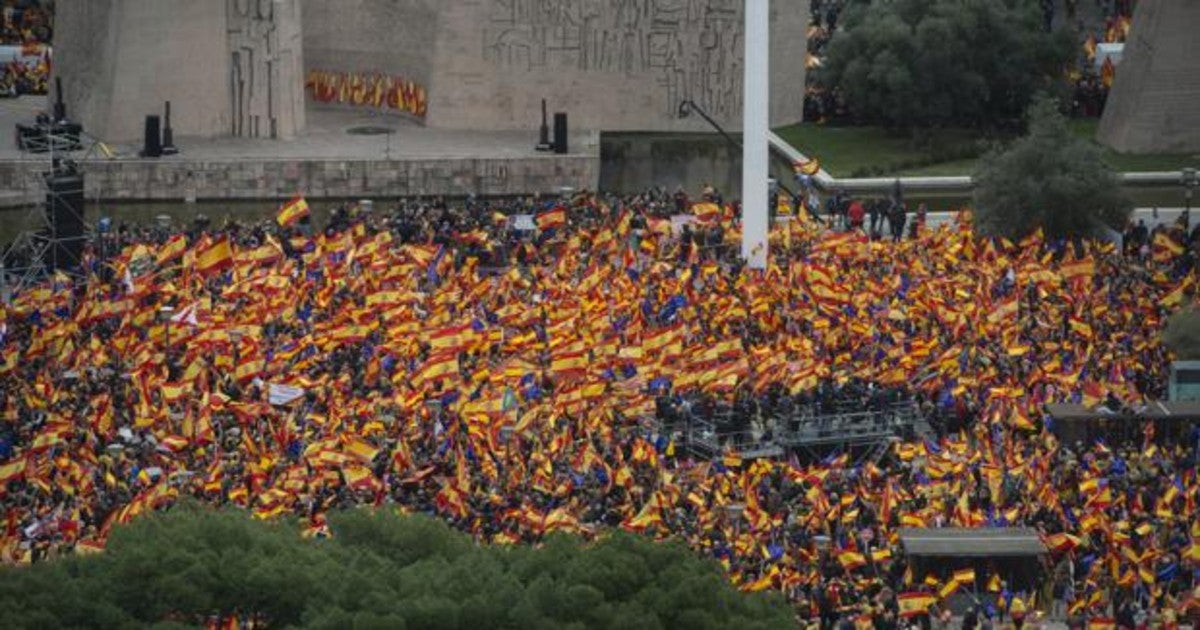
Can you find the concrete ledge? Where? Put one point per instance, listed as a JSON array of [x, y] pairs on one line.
[[202, 179]]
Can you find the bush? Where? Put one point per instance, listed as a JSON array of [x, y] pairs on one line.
[[926, 63], [380, 570], [1047, 179]]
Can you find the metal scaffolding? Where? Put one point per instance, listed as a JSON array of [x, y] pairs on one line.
[[807, 431]]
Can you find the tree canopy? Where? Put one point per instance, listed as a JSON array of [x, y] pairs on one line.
[[192, 565], [1048, 179], [924, 63]]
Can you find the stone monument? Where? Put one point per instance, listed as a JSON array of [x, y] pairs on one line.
[[610, 64], [1154, 105], [229, 67], [250, 68]]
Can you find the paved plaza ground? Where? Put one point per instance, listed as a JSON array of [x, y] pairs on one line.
[[327, 137]]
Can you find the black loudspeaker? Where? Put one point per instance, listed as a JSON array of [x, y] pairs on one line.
[[560, 132], [153, 145], [65, 203]]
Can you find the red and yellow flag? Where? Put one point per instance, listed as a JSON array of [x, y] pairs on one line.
[[215, 257], [292, 212], [810, 166], [965, 576], [913, 604], [555, 218], [1107, 71], [172, 249], [851, 560]]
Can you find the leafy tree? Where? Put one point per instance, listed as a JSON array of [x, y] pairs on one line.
[[194, 564], [1047, 179], [925, 63], [1182, 335]]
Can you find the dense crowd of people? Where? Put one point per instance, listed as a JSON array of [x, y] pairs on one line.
[[507, 377], [26, 22], [29, 25]]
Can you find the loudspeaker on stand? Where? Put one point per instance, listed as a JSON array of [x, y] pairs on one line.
[[560, 132], [152, 147]]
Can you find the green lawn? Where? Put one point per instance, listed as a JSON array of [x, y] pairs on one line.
[[870, 151], [873, 152], [964, 166]]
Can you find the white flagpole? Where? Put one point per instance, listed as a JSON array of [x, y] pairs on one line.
[[755, 113]]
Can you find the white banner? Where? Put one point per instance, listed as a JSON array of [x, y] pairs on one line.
[[283, 394], [523, 222]]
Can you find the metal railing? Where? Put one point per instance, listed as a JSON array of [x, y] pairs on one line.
[[956, 183]]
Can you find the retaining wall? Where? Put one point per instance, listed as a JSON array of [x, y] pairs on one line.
[[282, 178]]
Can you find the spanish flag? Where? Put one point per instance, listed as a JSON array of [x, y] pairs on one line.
[[1165, 247], [1178, 295], [552, 219], [1061, 543], [761, 584], [292, 212], [215, 257], [12, 470], [1101, 623], [173, 393], [965, 576], [914, 603], [810, 166], [570, 364], [1078, 270], [649, 516], [248, 369], [172, 249], [706, 212], [851, 560], [436, 367]]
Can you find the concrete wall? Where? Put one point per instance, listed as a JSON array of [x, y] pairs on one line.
[[180, 178], [121, 59], [610, 64], [631, 163], [1154, 105], [227, 66]]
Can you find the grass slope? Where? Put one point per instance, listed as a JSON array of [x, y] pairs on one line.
[[874, 152]]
